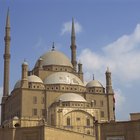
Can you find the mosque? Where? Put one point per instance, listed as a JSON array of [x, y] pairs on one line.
[[52, 101]]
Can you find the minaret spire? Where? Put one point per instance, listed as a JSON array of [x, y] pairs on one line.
[[73, 37], [6, 56], [73, 47]]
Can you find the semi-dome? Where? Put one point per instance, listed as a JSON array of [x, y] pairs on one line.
[[70, 97], [63, 78], [34, 78], [54, 58], [31, 78], [94, 83]]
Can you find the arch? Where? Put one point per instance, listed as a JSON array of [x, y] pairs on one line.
[[78, 110], [17, 125]]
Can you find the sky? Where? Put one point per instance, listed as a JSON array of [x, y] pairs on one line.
[[107, 35]]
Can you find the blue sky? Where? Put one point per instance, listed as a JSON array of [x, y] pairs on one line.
[[107, 34]]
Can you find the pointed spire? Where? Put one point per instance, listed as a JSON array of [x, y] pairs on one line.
[[93, 77], [73, 28], [108, 69], [8, 19], [73, 47], [73, 33]]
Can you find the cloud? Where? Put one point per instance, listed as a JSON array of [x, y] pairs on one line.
[[121, 56], [66, 28], [119, 99]]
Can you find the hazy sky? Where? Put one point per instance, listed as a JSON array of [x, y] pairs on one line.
[[107, 35]]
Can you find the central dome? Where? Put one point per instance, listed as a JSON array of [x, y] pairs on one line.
[[54, 58], [63, 78]]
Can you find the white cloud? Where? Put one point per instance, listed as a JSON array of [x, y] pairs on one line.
[[66, 28], [119, 99], [123, 58]]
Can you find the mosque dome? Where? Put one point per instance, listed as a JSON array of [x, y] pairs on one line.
[[31, 78], [94, 83], [54, 58], [70, 97], [34, 78], [63, 78]]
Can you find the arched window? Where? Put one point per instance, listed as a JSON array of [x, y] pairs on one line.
[[68, 121], [88, 122], [88, 132]]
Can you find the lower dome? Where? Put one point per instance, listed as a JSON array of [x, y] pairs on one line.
[[70, 97], [94, 83]]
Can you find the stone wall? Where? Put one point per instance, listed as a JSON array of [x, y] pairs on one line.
[[129, 130], [41, 133]]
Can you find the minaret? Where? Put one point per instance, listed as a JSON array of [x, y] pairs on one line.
[[110, 95], [73, 47], [6, 57], [24, 78], [80, 71], [108, 82]]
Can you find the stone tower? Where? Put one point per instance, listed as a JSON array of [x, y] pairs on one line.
[[108, 82], [7, 57], [24, 81], [109, 92], [73, 47]]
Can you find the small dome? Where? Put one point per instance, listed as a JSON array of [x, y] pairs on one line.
[[94, 83], [25, 63], [63, 78], [70, 97], [31, 78], [15, 118], [34, 78], [54, 58]]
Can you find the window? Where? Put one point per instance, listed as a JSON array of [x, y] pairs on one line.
[[78, 119], [88, 122], [34, 100], [101, 103], [102, 114], [68, 121], [42, 100], [34, 112]]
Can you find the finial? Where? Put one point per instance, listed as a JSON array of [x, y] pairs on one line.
[[93, 76], [79, 62], [25, 62], [53, 47], [40, 58], [108, 69], [8, 19]]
